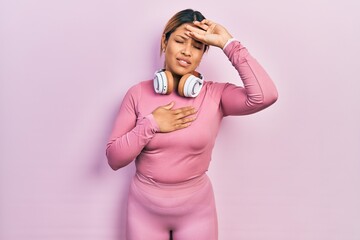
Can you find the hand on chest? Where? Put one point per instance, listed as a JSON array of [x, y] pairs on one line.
[[198, 135]]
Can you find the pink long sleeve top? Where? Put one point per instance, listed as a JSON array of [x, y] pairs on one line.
[[185, 154]]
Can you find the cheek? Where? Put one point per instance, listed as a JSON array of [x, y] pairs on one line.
[[170, 52], [168, 55], [197, 58]]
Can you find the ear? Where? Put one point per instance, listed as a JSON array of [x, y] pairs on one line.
[[163, 43]]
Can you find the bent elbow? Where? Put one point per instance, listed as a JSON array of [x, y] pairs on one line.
[[115, 162], [269, 98], [272, 98], [118, 158], [111, 162], [113, 165], [263, 102]]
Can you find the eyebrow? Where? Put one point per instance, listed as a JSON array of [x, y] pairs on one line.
[[186, 38]]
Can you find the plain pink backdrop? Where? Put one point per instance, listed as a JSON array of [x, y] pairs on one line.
[[291, 172]]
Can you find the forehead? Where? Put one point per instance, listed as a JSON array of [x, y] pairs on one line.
[[182, 28]]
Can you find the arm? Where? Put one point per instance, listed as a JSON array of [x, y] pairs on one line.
[[129, 135], [259, 90]]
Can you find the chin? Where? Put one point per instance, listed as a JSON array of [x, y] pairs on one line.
[[183, 71]]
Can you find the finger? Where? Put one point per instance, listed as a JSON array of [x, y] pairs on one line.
[[185, 120], [184, 123], [201, 25], [185, 112], [169, 106], [181, 126], [207, 22], [196, 28], [199, 30], [185, 117], [191, 28], [199, 36]]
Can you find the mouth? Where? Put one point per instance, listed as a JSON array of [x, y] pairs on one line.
[[183, 62]]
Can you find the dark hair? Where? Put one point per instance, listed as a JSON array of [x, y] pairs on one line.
[[184, 16]]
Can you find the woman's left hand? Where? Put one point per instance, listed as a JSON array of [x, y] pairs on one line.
[[209, 33]]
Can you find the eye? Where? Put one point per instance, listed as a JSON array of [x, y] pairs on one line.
[[179, 41], [198, 47]]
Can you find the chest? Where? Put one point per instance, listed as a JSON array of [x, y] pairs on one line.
[[200, 134]]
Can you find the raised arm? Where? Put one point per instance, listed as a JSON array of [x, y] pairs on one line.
[[259, 90]]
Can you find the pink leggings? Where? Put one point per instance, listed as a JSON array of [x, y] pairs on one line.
[[187, 209]]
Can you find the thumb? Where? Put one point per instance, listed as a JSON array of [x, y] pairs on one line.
[[169, 106]]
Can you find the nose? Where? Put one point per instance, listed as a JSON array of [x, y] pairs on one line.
[[187, 50]]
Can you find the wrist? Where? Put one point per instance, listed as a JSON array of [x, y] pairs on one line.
[[225, 39], [223, 43], [228, 41], [154, 124]]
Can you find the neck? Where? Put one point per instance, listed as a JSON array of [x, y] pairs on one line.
[[176, 79]]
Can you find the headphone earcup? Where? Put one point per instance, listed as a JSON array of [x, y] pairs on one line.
[[182, 84], [163, 82], [190, 86]]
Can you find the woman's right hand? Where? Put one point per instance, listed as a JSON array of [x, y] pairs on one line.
[[170, 119]]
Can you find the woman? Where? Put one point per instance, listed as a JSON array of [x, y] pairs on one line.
[[169, 125]]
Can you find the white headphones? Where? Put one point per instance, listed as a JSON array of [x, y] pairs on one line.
[[189, 85]]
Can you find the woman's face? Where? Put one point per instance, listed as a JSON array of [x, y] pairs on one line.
[[182, 53]]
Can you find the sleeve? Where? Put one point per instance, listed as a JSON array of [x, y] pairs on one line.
[[130, 134], [259, 90]]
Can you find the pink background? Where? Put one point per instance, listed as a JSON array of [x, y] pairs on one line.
[[291, 172]]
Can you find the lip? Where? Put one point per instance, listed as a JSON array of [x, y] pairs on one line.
[[183, 62]]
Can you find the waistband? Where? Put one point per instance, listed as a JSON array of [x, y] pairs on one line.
[[170, 189]]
